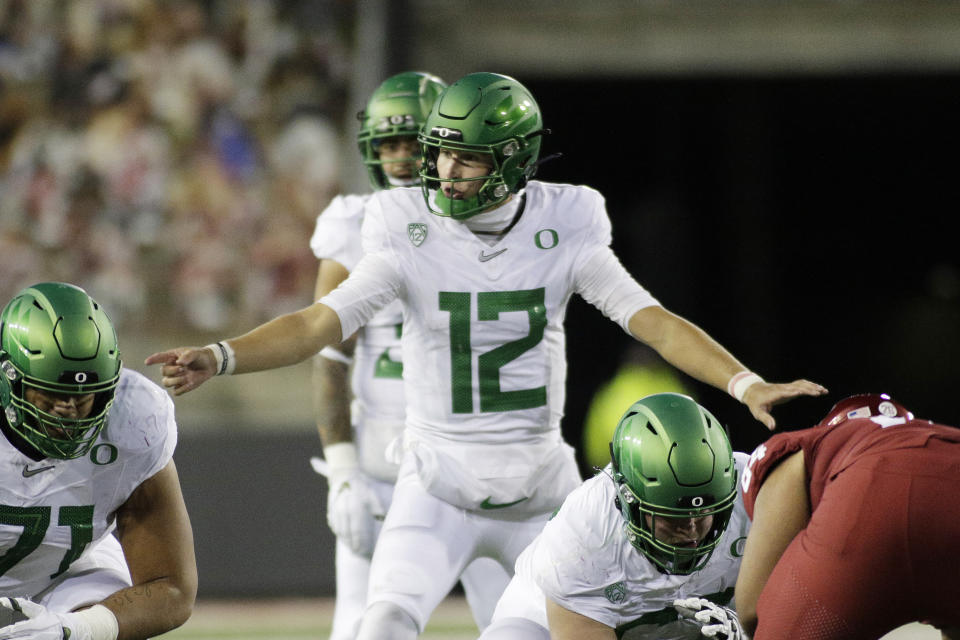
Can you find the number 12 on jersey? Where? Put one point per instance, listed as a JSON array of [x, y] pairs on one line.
[[490, 304]]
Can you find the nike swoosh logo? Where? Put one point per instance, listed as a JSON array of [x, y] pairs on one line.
[[484, 257], [486, 504], [27, 471]]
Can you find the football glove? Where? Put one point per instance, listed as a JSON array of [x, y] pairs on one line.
[[715, 621], [10, 612], [95, 623], [353, 509]]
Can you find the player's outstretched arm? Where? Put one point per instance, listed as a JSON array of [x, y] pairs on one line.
[[690, 349], [283, 341], [569, 625]]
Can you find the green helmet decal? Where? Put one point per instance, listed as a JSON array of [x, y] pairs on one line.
[[672, 459], [56, 339], [398, 107], [482, 113]]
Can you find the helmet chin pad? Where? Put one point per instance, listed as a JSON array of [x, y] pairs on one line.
[[458, 209]]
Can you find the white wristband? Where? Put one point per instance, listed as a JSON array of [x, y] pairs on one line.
[[224, 356], [100, 621], [330, 353], [737, 385], [341, 457]]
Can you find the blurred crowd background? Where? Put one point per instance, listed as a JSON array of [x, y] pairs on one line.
[[170, 157]]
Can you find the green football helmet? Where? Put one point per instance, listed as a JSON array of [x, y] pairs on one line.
[[484, 113], [672, 459], [398, 107], [56, 338]]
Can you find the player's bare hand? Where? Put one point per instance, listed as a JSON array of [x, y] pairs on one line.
[[761, 397], [185, 368]]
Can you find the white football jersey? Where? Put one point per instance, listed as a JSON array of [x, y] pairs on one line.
[[583, 561], [483, 336], [377, 411], [53, 512]]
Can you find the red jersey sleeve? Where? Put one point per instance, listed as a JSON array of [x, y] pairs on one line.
[[763, 459]]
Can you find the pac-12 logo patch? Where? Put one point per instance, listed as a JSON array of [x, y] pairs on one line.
[[417, 232], [616, 593]]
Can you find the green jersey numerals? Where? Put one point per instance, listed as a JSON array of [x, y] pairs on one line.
[[490, 304], [35, 521]]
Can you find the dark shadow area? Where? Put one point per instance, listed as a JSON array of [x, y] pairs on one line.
[[803, 222]]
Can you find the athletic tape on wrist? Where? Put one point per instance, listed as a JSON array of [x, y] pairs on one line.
[[341, 456], [737, 385], [102, 623], [224, 357]]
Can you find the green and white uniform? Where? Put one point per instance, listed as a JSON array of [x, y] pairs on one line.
[[583, 561], [57, 516], [484, 372]]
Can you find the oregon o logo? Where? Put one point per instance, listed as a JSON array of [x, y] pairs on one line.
[[546, 239], [105, 458], [443, 132], [80, 377], [697, 501]]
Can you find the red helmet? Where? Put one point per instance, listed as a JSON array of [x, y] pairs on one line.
[[865, 405]]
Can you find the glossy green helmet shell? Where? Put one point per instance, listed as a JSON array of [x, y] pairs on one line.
[[672, 459], [56, 338], [485, 113], [398, 107]]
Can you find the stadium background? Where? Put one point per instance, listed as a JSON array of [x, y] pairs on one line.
[[783, 174]]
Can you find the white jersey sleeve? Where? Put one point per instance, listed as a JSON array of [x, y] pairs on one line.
[[337, 232], [600, 278], [372, 285], [71, 504]]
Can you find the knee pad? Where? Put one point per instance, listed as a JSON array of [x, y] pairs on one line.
[[387, 621]]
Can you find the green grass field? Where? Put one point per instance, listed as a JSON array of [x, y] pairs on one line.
[[300, 620], [310, 619]]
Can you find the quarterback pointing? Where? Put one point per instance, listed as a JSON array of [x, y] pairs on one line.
[[356, 434], [484, 260], [95, 541], [663, 522]]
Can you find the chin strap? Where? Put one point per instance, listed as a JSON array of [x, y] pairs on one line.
[[552, 156]]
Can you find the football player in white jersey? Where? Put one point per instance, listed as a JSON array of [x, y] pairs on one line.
[[356, 434], [484, 260], [95, 541], [662, 522]]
